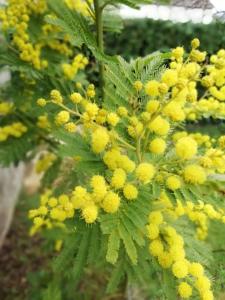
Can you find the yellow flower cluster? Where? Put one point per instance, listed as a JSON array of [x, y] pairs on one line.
[[145, 146], [5, 108], [169, 249], [43, 122], [52, 212], [89, 201], [45, 162], [79, 63], [62, 46], [17, 15], [15, 130]]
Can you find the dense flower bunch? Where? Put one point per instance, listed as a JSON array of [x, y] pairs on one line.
[[208, 76], [17, 17], [5, 108], [79, 62], [168, 246], [16, 130], [52, 211], [140, 145]]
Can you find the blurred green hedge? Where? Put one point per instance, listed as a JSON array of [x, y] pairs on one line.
[[143, 36]]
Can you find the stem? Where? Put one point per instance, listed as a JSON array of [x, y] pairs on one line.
[[75, 113], [138, 150], [100, 41], [125, 143]]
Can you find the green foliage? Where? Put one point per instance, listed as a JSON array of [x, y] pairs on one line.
[[161, 36], [120, 75], [16, 149], [119, 237], [74, 24]]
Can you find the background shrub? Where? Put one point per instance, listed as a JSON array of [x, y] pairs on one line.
[[144, 36]]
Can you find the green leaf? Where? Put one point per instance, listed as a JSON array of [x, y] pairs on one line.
[[67, 252], [94, 245], [76, 26], [116, 276], [52, 292], [16, 149], [113, 247], [137, 234], [112, 22], [128, 243], [169, 285], [82, 255]]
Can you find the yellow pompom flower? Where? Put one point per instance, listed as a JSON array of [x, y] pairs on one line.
[[63, 199], [163, 88], [113, 119], [111, 202], [97, 180], [135, 131], [157, 146], [5, 108], [196, 269], [41, 102], [152, 88], [99, 140], [173, 183], [38, 221], [155, 217], [203, 284], [70, 127], [52, 202], [186, 148], [122, 111], [195, 43], [145, 172], [125, 163], [62, 117], [118, 178], [56, 96], [180, 269], [152, 106], [58, 214], [178, 52], [152, 231], [177, 252], [207, 295], [99, 187], [170, 77], [43, 210], [90, 213], [91, 109], [111, 159], [130, 191], [194, 174], [79, 197], [174, 111], [156, 248], [165, 260], [76, 98], [138, 85], [159, 126], [184, 290]]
